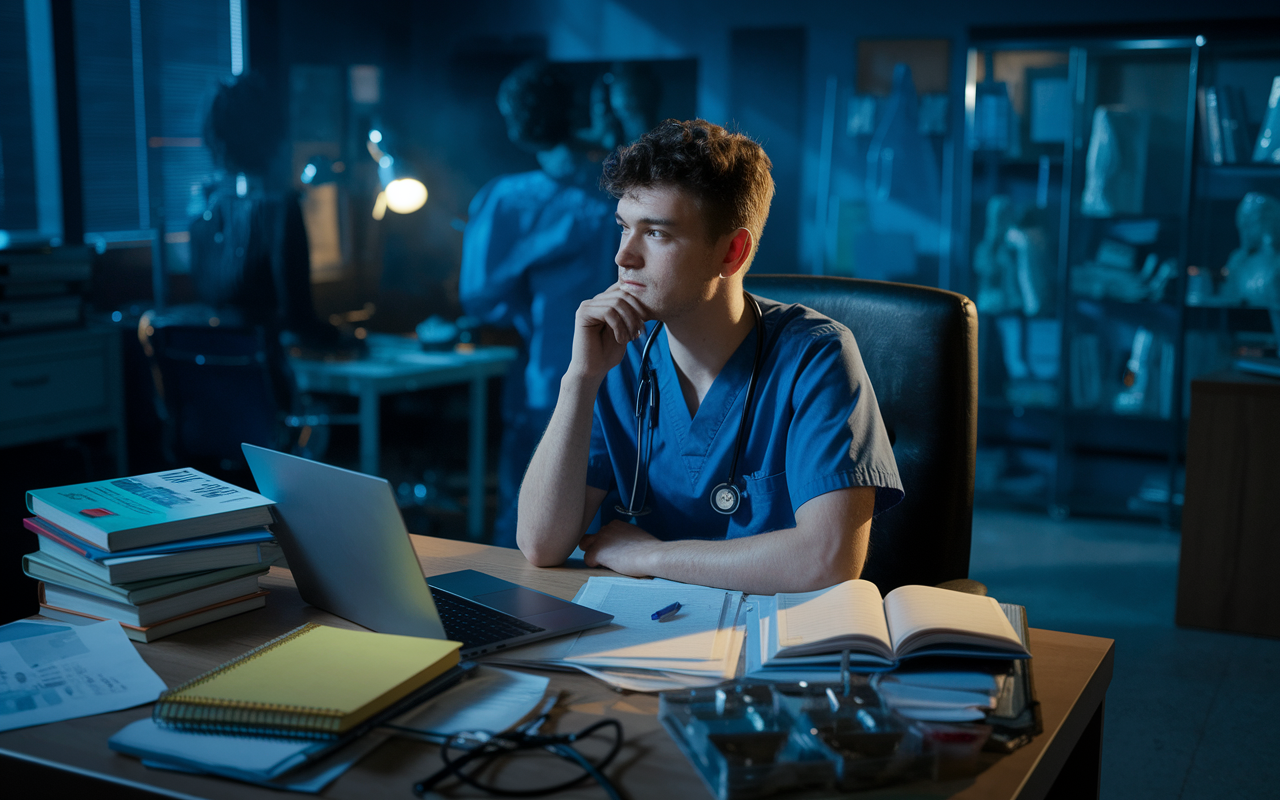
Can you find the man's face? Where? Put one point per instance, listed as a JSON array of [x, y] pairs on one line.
[[666, 258]]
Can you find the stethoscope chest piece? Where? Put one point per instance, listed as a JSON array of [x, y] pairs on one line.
[[725, 498]]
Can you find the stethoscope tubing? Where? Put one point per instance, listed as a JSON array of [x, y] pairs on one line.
[[647, 400]]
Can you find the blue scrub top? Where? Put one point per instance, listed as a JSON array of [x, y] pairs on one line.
[[534, 248], [815, 428]]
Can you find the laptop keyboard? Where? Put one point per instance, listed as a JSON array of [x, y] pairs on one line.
[[475, 625]]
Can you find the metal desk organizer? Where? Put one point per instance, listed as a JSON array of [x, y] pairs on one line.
[[751, 740]]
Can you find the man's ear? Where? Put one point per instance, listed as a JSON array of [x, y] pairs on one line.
[[741, 246]]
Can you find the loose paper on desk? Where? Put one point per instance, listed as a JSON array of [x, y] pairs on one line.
[[265, 761], [698, 646], [54, 671], [494, 700], [696, 632]]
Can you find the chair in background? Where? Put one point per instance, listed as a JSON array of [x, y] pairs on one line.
[[920, 347], [220, 383]]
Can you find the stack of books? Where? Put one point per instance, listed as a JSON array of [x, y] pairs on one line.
[[1226, 132], [158, 553]]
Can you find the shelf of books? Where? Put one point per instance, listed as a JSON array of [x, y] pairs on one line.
[[158, 553]]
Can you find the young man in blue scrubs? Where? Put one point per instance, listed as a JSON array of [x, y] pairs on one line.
[[814, 462]]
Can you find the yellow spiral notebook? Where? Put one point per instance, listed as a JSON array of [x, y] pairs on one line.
[[314, 680]]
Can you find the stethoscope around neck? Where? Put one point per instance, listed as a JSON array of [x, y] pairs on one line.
[[725, 497]]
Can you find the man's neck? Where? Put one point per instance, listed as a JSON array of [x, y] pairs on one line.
[[703, 341]]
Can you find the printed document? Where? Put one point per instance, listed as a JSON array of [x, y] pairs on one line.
[[54, 671]]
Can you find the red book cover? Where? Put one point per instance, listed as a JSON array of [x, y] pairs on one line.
[[51, 531]]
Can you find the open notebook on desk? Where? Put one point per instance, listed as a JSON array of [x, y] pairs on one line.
[[911, 621]]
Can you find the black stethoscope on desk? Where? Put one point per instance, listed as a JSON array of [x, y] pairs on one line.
[[725, 497]]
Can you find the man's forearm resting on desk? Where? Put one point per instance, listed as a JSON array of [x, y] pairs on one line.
[[827, 546]]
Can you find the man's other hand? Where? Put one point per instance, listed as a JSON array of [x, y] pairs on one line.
[[621, 547]]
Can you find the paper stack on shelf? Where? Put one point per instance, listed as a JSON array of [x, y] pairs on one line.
[[953, 694], [699, 645], [158, 553], [43, 287]]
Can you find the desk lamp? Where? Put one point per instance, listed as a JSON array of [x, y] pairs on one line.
[[401, 192]]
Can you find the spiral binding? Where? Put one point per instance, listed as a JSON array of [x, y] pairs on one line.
[[239, 716]]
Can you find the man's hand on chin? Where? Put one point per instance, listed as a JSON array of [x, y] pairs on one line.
[[621, 547]]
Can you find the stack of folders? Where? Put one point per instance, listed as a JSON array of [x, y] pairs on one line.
[[158, 553], [948, 656], [272, 710], [697, 645]]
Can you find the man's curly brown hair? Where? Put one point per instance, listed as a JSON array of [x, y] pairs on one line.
[[727, 173]]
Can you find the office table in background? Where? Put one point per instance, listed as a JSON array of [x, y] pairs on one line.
[[1071, 672], [398, 364]]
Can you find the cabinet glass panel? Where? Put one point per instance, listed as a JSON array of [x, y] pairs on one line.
[[1077, 192], [1231, 287], [1124, 250], [1019, 127]]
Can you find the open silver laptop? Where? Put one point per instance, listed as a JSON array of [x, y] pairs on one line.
[[350, 554]]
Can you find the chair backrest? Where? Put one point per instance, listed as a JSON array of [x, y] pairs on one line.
[[217, 386], [920, 347]]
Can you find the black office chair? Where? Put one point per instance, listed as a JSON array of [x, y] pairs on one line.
[[220, 382], [920, 347]]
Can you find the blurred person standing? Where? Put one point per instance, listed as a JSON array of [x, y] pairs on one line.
[[249, 248], [536, 245]]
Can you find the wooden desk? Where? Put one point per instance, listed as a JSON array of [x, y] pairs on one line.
[[398, 364], [1072, 673]]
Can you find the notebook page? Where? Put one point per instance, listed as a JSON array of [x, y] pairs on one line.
[[914, 611], [691, 634], [852, 607]]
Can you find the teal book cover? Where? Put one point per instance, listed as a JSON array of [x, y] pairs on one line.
[[142, 510]]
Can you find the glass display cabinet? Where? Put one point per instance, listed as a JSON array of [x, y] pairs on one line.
[[1077, 184], [1120, 234]]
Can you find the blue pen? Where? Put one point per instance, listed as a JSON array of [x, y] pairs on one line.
[[663, 613]]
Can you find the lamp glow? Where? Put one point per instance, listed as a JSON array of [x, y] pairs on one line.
[[406, 195]]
